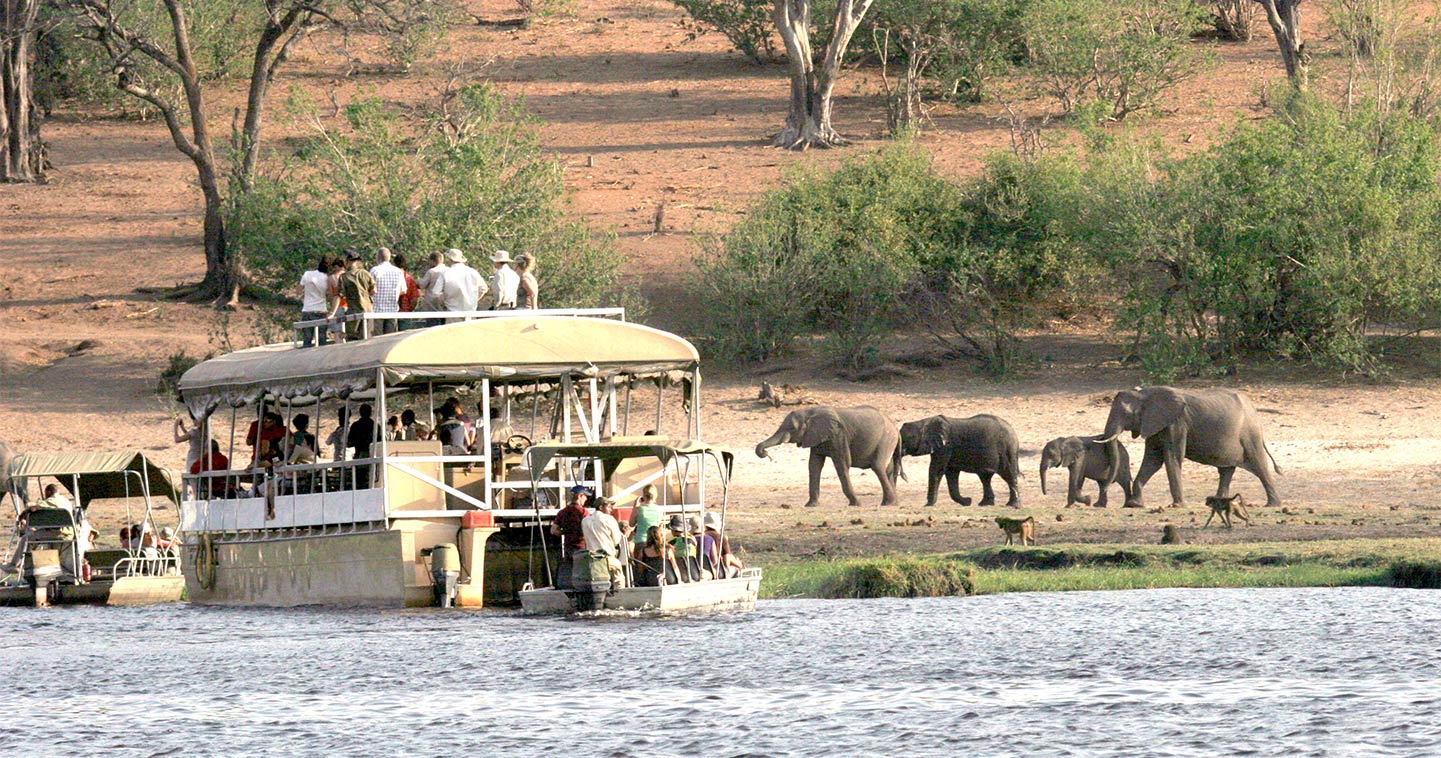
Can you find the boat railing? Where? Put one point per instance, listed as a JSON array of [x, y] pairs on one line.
[[311, 331], [167, 564]]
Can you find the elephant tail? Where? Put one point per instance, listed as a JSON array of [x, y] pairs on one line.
[[1274, 465], [898, 471]]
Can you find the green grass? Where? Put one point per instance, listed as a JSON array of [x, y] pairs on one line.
[[1055, 568]]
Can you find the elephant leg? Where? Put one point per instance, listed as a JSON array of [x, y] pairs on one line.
[[817, 462], [953, 484], [1133, 496], [1101, 498], [933, 479], [1175, 455], [888, 490], [843, 472], [988, 495], [1014, 498], [1074, 485], [1149, 466], [1261, 471], [1223, 485]]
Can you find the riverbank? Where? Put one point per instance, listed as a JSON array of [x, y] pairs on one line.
[[1061, 568]]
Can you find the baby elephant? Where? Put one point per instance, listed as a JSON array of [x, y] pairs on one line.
[[1087, 458], [1226, 507], [1018, 528]]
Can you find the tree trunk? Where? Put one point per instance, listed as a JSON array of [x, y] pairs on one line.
[[809, 122], [22, 154], [1284, 16]]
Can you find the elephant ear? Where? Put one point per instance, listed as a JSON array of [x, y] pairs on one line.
[[1160, 410], [819, 429], [1072, 451], [933, 435]]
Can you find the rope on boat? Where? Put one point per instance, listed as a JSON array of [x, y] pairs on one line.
[[206, 562]]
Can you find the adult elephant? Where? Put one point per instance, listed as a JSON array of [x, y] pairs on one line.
[[983, 445], [860, 437], [1215, 427]]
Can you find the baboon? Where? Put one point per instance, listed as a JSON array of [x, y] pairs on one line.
[[1226, 507], [1022, 528]]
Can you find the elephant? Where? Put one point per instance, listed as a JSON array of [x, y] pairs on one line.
[[860, 437], [1087, 458], [7, 457], [983, 445], [1215, 427]]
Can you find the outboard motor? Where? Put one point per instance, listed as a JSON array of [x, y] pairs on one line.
[[42, 571], [444, 573], [591, 580]]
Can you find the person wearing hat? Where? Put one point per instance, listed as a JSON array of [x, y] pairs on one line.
[[727, 564], [567, 526], [687, 553], [504, 283], [461, 286], [603, 535], [707, 552], [357, 287]]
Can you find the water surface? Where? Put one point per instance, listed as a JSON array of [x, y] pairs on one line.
[[1349, 671]]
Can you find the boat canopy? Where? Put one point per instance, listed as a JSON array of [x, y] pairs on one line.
[[98, 475], [611, 452], [504, 349]]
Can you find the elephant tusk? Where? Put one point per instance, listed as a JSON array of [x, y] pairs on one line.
[[1111, 438]]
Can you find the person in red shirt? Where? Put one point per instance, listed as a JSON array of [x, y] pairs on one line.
[[265, 441], [410, 296], [216, 461], [567, 526]]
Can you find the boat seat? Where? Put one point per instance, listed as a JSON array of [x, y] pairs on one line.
[[49, 518]]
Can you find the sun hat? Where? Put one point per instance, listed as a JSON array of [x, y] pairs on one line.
[[712, 521], [167, 533], [677, 523], [695, 527], [454, 256], [500, 256]]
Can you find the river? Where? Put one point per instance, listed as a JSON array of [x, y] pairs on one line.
[[1351, 671]]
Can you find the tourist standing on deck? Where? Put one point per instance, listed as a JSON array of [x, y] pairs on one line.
[[314, 297], [567, 526], [363, 433], [462, 286], [527, 295], [357, 286], [432, 288], [410, 296], [389, 286], [503, 283], [603, 535]]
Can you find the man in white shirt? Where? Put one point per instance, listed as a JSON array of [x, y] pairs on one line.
[[432, 288], [314, 300], [504, 283], [603, 535], [462, 287], [389, 284]]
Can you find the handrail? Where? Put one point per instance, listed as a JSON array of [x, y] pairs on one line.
[[299, 327], [158, 565]]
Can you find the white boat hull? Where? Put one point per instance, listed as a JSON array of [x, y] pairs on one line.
[[714, 596]]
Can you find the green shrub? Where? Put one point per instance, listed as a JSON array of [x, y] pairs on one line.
[[746, 23], [473, 177], [1111, 59]]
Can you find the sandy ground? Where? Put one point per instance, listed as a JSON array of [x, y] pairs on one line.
[[640, 115]]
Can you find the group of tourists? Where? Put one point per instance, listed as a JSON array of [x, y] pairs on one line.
[[646, 551], [341, 286]]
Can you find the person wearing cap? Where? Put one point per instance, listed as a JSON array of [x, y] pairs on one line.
[[389, 286], [432, 288], [462, 287], [567, 526], [603, 535], [357, 287], [504, 283], [686, 551]]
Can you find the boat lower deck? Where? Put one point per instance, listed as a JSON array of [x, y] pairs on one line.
[[711, 596]]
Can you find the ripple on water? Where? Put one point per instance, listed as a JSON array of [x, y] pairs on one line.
[[1165, 672]]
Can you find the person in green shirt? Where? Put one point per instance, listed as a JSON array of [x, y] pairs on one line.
[[357, 287], [644, 515]]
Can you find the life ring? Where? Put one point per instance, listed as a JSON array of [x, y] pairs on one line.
[[206, 562]]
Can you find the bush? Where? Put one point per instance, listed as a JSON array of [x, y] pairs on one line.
[[746, 23], [1111, 59], [470, 175]]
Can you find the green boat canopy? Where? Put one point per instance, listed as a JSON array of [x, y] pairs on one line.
[[611, 452], [99, 476], [506, 349]]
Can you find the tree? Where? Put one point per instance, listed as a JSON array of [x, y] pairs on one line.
[[1284, 16], [809, 121], [167, 77], [22, 157]]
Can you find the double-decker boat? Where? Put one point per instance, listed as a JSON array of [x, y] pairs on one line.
[[397, 517], [52, 558]]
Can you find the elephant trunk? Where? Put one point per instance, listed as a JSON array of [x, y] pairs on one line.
[[1113, 461], [1046, 464], [778, 438]]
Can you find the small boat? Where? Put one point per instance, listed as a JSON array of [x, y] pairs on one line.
[[51, 560], [683, 462]]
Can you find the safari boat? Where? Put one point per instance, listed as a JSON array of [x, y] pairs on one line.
[[391, 520], [686, 463], [51, 558]]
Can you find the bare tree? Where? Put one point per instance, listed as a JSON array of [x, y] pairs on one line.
[[22, 155], [1284, 16], [809, 121]]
